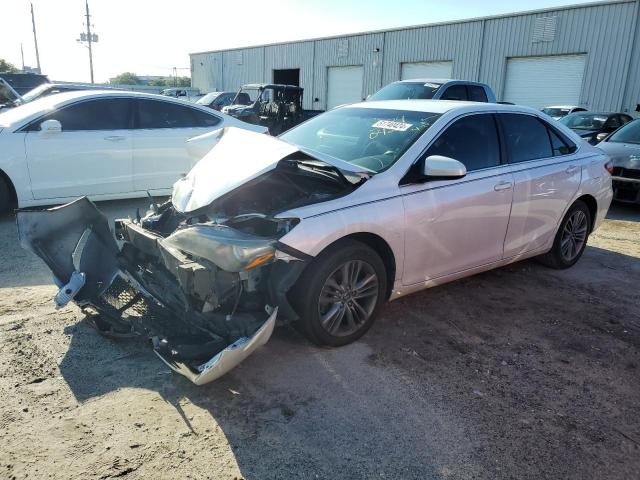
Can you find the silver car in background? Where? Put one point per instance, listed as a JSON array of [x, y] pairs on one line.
[[323, 225], [623, 146]]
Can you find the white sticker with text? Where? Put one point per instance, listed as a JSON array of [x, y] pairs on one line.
[[391, 125]]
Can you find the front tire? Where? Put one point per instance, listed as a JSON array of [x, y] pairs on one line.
[[339, 294], [571, 238], [6, 198]]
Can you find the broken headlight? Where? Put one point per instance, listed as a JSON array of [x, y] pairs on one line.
[[230, 249]]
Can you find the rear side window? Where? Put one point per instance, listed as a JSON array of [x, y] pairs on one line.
[[477, 93], [529, 138], [158, 114], [103, 114], [526, 137], [472, 140], [455, 92]]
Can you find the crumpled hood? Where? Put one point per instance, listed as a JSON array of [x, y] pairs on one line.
[[626, 155], [239, 157]]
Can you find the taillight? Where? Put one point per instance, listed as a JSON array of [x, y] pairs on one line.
[[609, 166]]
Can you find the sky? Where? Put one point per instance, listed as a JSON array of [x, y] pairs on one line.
[[150, 37]]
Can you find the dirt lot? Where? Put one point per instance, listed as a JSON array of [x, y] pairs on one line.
[[523, 372]]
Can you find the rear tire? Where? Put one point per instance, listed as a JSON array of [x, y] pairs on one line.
[[339, 294], [571, 238]]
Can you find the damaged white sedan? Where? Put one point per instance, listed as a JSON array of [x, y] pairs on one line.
[[357, 206]]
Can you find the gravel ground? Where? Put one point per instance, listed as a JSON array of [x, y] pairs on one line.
[[522, 372]]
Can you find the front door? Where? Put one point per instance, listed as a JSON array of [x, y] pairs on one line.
[[90, 156], [160, 154], [455, 225]]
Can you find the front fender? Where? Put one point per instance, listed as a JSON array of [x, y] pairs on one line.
[[384, 218]]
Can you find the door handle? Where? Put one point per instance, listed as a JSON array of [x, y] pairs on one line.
[[572, 169], [503, 186], [114, 138]]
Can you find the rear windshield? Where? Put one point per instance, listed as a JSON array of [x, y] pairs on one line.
[[586, 121], [406, 91], [630, 133], [373, 138]]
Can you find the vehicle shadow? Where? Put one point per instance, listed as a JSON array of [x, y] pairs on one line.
[[624, 211], [410, 397]]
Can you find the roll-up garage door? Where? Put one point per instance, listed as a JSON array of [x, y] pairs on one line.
[[344, 85], [426, 70], [543, 81]]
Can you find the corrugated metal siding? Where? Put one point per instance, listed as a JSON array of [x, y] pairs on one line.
[[604, 33], [360, 50], [479, 50], [242, 66], [459, 43], [292, 55]]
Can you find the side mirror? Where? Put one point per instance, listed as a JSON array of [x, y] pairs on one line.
[[443, 168], [51, 126], [601, 136]]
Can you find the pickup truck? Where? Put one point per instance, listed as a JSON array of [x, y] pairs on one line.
[[435, 89]]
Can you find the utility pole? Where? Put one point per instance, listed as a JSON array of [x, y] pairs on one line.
[[22, 55], [89, 39], [35, 39]]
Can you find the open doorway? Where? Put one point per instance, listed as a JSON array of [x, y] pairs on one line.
[[288, 76]]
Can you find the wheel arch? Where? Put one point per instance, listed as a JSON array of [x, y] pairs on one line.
[[592, 204], [12, 189], [381, 247]]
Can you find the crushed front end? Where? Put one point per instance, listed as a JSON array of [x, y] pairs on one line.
[[205, 293]]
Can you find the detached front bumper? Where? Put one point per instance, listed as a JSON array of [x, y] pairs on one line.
[[198, 325]]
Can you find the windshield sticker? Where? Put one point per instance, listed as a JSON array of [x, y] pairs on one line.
[[391, 125]]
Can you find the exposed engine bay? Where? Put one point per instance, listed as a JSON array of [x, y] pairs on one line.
[[204, 286]]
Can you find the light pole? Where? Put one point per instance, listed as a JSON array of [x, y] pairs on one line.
[[89, 37], [35, 39]]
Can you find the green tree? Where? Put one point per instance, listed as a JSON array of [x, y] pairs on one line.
[[184, 81], [126, 78], [159, 82], [6, 67]]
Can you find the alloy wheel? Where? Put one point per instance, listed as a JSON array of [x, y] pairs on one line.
[[348, 298], [574, 235]]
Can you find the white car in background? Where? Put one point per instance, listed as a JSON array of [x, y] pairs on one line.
[[101, 144], [560, 111]]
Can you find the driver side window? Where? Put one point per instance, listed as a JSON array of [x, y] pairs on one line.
[[472, 140]]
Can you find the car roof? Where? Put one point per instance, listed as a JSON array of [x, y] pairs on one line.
[[439, 81], [564, 106], [439, 106]]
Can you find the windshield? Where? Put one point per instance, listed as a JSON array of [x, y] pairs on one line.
[[630, 133], [556, 112], [586, 121], [406, 91], [36, 92], [247, 96], [208, 98], [373, 138]]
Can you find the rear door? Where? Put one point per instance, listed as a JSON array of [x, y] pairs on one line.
[[90, 156], [160, 154], [547, 175], [455, 225]]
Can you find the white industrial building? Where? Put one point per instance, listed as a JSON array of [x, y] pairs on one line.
[[586, 55]]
